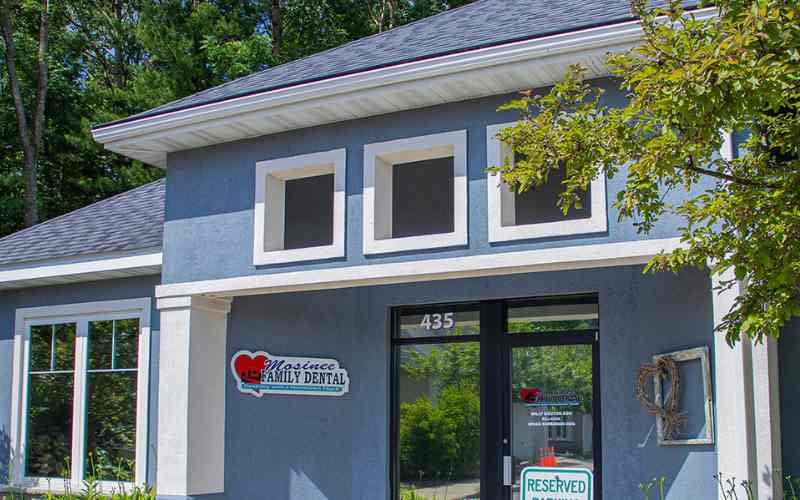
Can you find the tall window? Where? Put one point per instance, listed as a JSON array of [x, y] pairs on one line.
[[437, 403], [81, 402], [111, 399], [50, 400]]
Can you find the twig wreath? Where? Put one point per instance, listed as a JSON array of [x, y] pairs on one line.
[[669, 413]]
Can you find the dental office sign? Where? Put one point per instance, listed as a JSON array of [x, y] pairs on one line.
[[260, 373], [554, 483]]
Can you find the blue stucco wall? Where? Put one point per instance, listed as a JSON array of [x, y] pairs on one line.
[[307, 448], [127, 288], [209, 210]]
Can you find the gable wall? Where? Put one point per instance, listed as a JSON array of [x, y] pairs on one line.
[[210, 191]]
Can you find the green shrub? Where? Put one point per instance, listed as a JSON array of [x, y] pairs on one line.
[[441, 439]]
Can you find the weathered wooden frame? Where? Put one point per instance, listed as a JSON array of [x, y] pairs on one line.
[[702, 354]]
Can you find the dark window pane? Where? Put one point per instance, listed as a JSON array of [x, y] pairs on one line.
[[439, 401], [127, 344], [49, 425], [552, 318], [65, 346], [309, 212], [101, 340], [111, 425], [41, 345], [539, 204], [440, 322], [422, 197]]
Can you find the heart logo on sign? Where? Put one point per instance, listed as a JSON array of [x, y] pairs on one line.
[[529, 394], [249, 368]]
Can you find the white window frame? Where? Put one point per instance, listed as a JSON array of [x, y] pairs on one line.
[[379, 159], [80, 314], [501, 215], [269, 216]]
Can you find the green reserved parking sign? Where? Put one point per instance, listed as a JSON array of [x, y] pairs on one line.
[[555, 483]]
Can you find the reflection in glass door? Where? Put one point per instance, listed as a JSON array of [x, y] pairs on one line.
[[438, 403], [551, 408], [482, 390]]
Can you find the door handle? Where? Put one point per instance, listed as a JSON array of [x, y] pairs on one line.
[[507, 470]]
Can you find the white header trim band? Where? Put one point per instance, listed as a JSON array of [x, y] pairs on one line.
[[548, 259]]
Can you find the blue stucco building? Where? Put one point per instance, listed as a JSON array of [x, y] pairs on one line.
[[328, 296]]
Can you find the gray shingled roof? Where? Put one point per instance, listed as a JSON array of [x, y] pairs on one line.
[[480, 24], [132, 220]]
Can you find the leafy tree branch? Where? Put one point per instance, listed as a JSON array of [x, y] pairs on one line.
[[691, 82]]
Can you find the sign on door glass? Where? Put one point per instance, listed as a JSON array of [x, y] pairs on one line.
[[551, 409]]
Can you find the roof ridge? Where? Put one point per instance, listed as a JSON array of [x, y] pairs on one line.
[[316, 54], [396, 28], [80, 209]]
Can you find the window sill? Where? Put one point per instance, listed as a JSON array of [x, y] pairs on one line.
[[424, 242], [499, 234], [299, 254]]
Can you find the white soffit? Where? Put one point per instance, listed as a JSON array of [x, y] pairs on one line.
[[79, 269]]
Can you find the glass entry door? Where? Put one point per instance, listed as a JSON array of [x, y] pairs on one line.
[[551, 408], [482, 390], [550, 389]]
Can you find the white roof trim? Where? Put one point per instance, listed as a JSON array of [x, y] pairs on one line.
[[147, 138], [82, 268], [550, 259]]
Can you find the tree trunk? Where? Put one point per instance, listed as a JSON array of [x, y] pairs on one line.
[[31, 140], [276, 26]]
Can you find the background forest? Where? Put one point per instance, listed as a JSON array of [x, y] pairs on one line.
[[107, 59]]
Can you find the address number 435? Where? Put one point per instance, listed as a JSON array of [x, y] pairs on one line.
[[437, 321]]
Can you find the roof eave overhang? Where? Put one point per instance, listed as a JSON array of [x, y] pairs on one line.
[[450, 78], [94, 267]]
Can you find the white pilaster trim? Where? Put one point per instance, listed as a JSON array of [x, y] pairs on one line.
[[191, 416], [733, 382], [748, 394], [767, 420]]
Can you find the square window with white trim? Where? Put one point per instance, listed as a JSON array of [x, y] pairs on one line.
[[415, 193], [535, 213], [299, 208], [79, 404]]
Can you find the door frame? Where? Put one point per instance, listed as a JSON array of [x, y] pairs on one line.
[[510, 341], [495, 382]]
